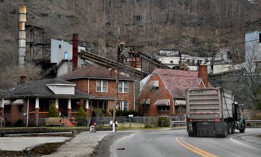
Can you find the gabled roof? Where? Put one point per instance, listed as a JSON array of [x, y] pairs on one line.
[[39, 88], [93, 72], [177, 81]]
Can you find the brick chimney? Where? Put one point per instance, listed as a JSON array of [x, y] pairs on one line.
[[75, 51], [113, 72], [23, 79], [203, 73]]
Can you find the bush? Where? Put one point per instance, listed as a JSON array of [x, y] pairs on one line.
[[53, 111], [19, 123], [7, 123], [81, 117], [81, 113], [163, 122]]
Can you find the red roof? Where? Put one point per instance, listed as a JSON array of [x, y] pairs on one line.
[[95, 72], [177, 81]]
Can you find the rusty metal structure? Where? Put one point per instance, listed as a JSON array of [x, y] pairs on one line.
[[132, 62], [36, 47]]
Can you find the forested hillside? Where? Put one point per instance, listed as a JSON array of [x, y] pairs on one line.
[[198, 27]]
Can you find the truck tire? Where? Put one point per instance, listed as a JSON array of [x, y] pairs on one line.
[[190, 134], [243, 127], [233, 129], [229, 129], [225, 133]]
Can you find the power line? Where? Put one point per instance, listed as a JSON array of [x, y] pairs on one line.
[[232, 31]]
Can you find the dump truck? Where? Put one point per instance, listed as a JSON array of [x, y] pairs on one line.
[[212, 112]]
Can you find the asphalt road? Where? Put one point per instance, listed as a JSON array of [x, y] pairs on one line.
[[177, 143]]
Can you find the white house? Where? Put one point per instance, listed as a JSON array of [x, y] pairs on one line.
[[62, 54], [252, 50]]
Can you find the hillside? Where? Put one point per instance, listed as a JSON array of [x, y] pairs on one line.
[[149, 25]]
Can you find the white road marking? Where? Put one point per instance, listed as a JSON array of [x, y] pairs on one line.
[[235, 141]]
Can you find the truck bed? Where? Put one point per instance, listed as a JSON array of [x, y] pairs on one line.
[[208, 103]]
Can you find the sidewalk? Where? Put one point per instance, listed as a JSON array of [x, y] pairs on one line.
[[82, 145]]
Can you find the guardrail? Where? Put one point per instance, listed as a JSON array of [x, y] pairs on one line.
[[249, 123], [178, 123], [253, 123]]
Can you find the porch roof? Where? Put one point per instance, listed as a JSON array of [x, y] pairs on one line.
[[3, 93], [38, 88]]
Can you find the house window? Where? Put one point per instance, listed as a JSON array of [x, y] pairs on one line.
[[101, 86], [123, 105], [123, 87], [163, 108]]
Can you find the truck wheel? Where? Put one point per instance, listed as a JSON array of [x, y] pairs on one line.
[[190, 134], [233, 129], [225, 132], [229, 130], [243, 127]]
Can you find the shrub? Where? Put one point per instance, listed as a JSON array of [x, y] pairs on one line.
[[163, 121], [8, 123], [19, 123], [81, 113], [53, 111], [81, 117]]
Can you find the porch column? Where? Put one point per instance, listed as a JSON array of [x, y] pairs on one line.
[[56, 103], [69, 107], [87, 105], [2, 108], [37, 108]]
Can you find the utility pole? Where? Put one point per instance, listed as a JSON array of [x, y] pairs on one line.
[[116, 101]]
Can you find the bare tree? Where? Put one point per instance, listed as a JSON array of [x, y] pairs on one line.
[[252, 68], [11, 75]]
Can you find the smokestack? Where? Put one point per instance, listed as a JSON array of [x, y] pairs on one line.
[[203, 73], [75, 51], [22, 35]]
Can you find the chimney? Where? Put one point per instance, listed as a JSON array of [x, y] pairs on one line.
[[23, 79], [22, 35], [113, 72], [75, 51], [203, 73]]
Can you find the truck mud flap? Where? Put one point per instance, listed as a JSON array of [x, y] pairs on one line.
[[205, 129]]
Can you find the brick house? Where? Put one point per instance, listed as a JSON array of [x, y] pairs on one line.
[[163, 93], [30, 101], [100, 82]]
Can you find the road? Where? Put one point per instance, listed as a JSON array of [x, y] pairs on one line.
[[177, 143]]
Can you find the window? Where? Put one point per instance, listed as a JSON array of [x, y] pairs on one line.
[[163, 108], [101, 86], [123, 87], [123, 105], [171, 61]]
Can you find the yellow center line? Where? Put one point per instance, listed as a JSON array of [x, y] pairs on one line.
[[194, 149]]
